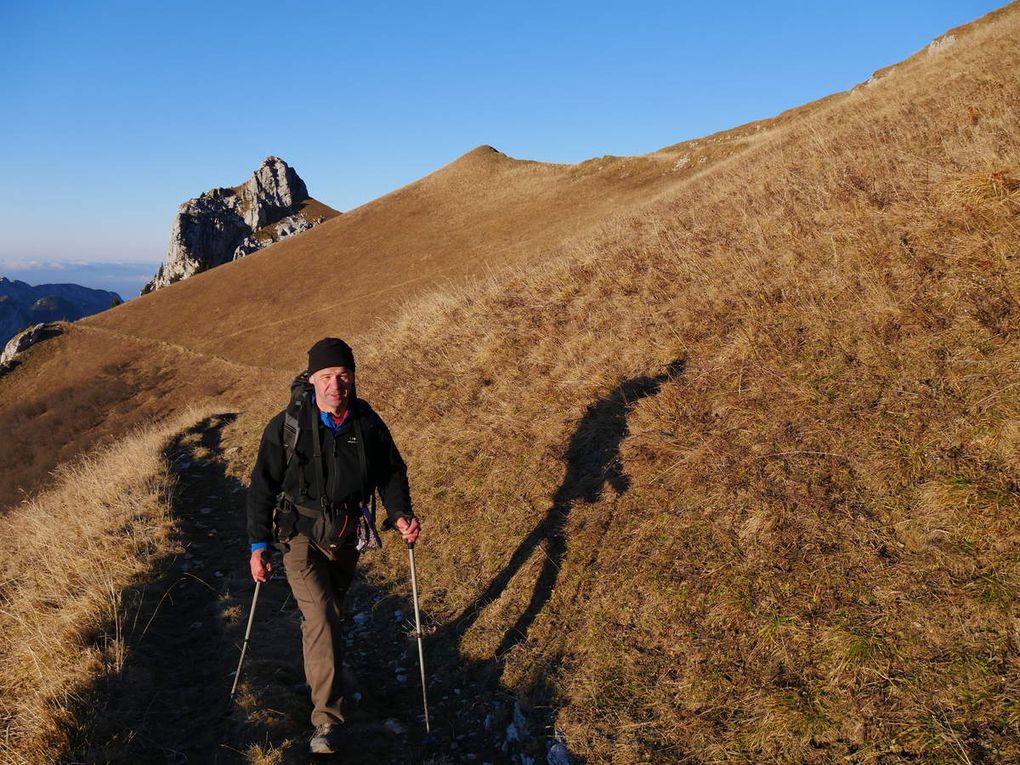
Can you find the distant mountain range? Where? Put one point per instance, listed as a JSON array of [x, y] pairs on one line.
[[22, 304]]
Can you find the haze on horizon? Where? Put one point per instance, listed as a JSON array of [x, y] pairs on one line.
[[121, 112]]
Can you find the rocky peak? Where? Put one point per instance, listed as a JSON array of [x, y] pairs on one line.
[[224, 224], [273, 192]]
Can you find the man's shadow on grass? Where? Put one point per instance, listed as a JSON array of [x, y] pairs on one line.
[[592, 462]]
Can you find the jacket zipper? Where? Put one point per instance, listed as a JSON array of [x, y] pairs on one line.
[[332, 470]]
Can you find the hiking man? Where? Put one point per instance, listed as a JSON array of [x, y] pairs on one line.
[[319, 462]]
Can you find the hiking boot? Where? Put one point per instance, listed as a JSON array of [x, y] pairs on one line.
[[324, 740]]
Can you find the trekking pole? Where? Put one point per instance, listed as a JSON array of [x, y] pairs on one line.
[[417, 628], [247, 636]]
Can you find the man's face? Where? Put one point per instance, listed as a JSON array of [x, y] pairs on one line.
[[332, 388]]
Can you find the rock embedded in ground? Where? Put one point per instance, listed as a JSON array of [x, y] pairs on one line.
[[558, 754], [394, 727], [24, 340]]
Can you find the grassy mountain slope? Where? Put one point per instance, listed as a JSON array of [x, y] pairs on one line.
[[72, 556], [482, 211], [91, 386], [733, 477], [743, 482]]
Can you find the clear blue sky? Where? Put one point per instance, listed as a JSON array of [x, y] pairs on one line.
[[116, 112]]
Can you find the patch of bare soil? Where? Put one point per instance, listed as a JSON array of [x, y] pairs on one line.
[[170, 704]]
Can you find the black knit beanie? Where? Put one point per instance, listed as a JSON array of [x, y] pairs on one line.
[[330, 352]]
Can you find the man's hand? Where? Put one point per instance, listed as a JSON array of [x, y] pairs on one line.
[[260, 567], [409, 530]]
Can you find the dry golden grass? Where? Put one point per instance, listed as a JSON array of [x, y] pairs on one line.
[[246, 327], [802, 547], [260, 755], [70, 555], [485, 210], [93, 386], [815, 558]]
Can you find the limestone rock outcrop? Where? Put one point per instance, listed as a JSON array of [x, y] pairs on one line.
[[24, 340], [224, 224]]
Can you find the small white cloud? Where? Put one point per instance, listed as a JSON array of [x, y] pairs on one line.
[[70, 265], [30, 265]]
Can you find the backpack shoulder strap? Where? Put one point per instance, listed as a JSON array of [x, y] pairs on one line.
[[299, 398], [290, 435]]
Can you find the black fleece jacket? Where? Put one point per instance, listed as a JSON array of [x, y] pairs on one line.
[[341, 467]]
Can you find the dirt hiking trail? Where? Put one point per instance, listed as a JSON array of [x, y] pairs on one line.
[[170, 702]]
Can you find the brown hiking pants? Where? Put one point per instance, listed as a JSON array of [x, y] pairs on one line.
[[319, 586]]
